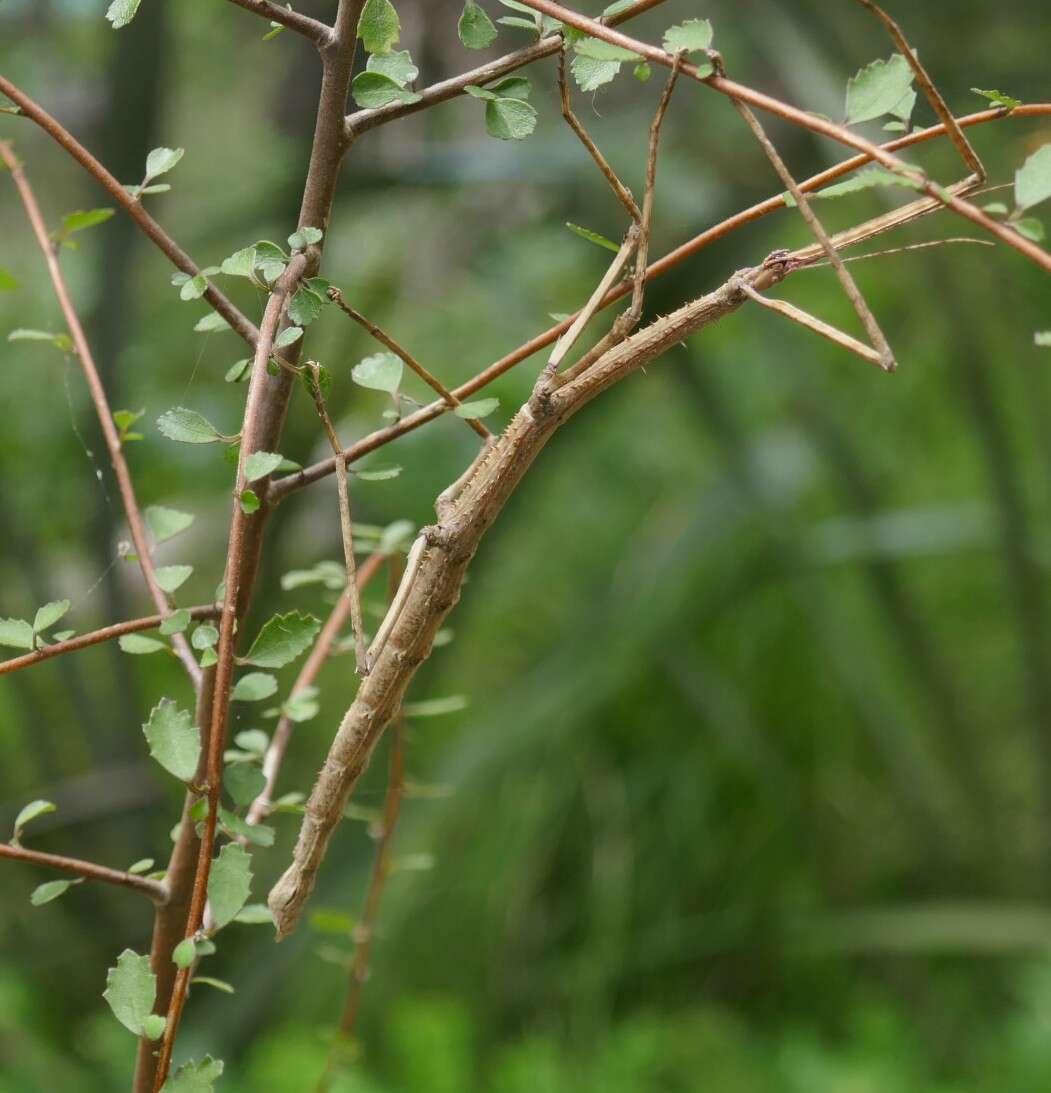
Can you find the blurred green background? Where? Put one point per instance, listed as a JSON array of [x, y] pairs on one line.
[[753, 789]]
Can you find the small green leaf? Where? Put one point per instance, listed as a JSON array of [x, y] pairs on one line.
[[244, 782], [692, 36], [287, 336], [195, 1077], [863, 180], [61, 342], [305, 306], [16, 633], [254, 687], [1042, 338], [176, 622], [1033, 179], [239, 370], [175, 742], [254, 914], [396, 65], [475, 28], [143, 865], [187, 426], [305, 237], [139, 645], [996, 208], [82, 219], [512, 87], [165, 524], [8, 282], [172, 577], [125, 419], [591, 74], [1030, 228], [480, 92], [593, 237], [154, 1025], [372, 90], [379, 26], [204, 637], [63, 635], [598, 50], [642, 72], [185, 953], [131, 989], [282, 639], [260, 464], [229, 883], [208, 658], [49, 614], [379, 372], [256, 834], [378, 474], [121, 12], [509, 119], [481, 408], [161, 160], [302, 705], [241, 263], [436, 707], [998, 98], [521, 24], [877, 89], [27, 814], [49, 890], [249, 501], [211, 323], [270, 259], [253, 740]]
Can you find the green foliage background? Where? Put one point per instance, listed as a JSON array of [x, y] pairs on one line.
[[754, 787]]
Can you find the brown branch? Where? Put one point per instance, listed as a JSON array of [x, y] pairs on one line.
[[94, 637], [313, 29], [933, 95], [153, 231], [275, 753], [346, 526], [384, 338], [154, 889], [290, 483], [737, 91], [363, 120], [365, 930], [102, 409]]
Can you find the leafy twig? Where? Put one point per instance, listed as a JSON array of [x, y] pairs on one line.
[[156, 890], [312, 29]]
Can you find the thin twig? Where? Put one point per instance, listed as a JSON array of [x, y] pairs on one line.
[[933, 95], [400, 351], [153, 889], [364, 932], [293, 482], [312, 29], [846, 278], [275, 753], [364, 120], [153, 231], [346, 527], [102, 409], [94, 637]]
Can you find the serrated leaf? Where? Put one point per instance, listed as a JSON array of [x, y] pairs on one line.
[[379, 372], [998, 98], [139, 645], [49, 614], [176, 622], [16, 633], [287, 336], [172, 577], [379, 26], [165, 523], [593, 237], [397, 65], [1033, 179], [187, 427], [436, 707], [131, 989], [282, 639], [509, 119], [903, 109], [174, 740], [185, 953], [161, 160], [372, 90], [28, 813], [591, 74], [241, 263], [877, 89], [254, 687], [195, 1077], [49, 890], [475, 28], [244, 782], [121, 12], [692, 35], [305, 306], [480, 408], [229, 883], [260, 464]]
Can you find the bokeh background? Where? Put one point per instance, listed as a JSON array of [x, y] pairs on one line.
[[753, 789]]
